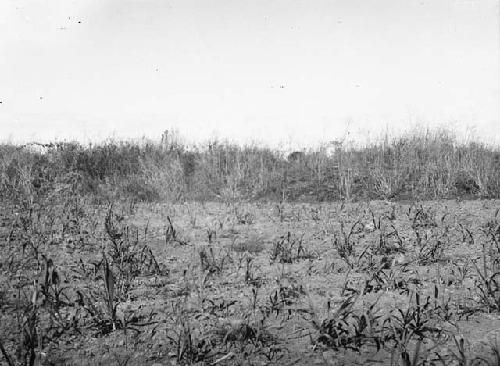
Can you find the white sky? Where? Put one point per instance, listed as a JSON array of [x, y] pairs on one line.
[[271, 70]]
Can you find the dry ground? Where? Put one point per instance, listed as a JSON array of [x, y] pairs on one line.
[[250, 283]]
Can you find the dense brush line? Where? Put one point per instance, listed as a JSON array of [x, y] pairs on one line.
[[425, 165]]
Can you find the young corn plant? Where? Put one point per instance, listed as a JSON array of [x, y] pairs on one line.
[[347, 327], [289, 248], [191, 346], [488, 281], [345, 244], [29, 340], [415, 360], [463, 356], [109, 285], [388, 279], [415, 323], [128, 255], [284, 298], [171, 235], [211, 262], [492, 231], [101, 305], [390, 242]]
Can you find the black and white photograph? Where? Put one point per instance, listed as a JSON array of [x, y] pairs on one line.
[[259, 182]]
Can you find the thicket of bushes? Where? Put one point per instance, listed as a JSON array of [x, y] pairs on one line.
[[428, 164]]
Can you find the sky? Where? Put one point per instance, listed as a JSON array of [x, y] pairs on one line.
[[272, 71]]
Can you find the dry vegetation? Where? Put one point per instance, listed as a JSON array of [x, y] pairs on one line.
[[144, 253]]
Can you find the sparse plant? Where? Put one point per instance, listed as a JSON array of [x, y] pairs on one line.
[[345, 243], [171, 235], [390, 241], [190, 345], [30, 341], [463, 356], [488, 282], [467, 235], [289, 248], [384, 279], [283, 298], [211, 262], [407, 360], [416, 322], [348, 328]]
